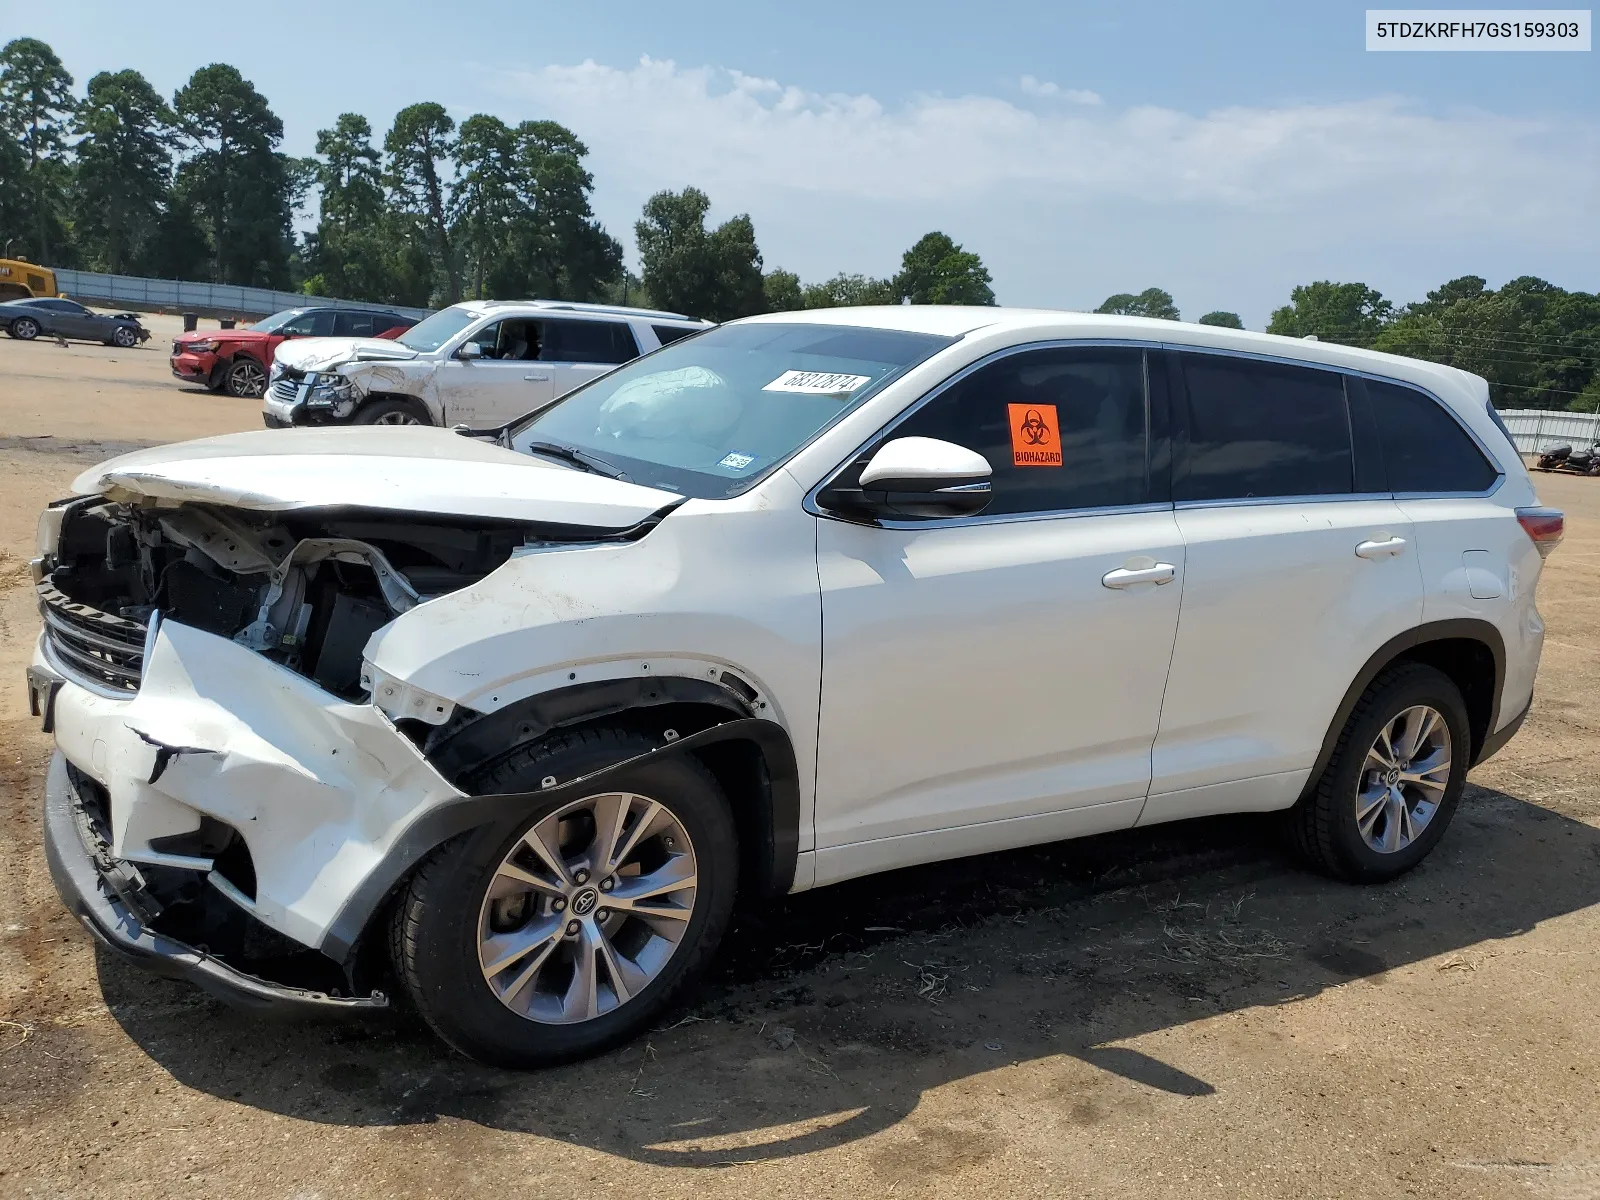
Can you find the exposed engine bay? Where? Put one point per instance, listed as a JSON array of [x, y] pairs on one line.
[[305, 589]]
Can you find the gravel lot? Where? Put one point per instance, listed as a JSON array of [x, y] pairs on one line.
[[1183, 1013]]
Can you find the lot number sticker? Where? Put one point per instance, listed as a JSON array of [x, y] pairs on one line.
[[1034, 435], [817, 383]]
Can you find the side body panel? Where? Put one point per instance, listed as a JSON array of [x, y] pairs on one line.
[[983, 673], [1279, 612]]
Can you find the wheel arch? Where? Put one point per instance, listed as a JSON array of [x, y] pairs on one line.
[[752, 758], [416, 402], [1470, 652]]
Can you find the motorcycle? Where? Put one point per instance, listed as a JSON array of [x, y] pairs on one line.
[[1563, 458]]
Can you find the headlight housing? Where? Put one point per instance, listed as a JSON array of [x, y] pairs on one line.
[[201, 347], [327, 389]]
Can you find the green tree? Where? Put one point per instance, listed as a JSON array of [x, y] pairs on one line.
[[938, 271], [849, 291], [1152, 302], [687, 268], [566, 254], [124, 171], [1225, 320], [241, 189], [36, 105], [782, 290], [1351, 313], [486, 202], [417, 143]]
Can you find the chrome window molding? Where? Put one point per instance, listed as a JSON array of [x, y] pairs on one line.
[[1059, 514]]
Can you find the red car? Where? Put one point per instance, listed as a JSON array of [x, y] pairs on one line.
[[238, 360]]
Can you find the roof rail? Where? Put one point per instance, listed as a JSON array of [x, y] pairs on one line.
[[615, 309]]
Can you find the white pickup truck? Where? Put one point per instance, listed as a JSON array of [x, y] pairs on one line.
[[479, 363]]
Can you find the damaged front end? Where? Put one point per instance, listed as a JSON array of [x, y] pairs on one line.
[[225, 779]]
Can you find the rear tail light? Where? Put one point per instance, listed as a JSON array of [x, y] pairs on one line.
[[1544, 526]]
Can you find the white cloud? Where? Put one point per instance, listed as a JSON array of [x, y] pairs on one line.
[[1068, 203], [1032, 86]]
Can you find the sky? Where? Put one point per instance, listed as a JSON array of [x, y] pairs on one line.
[[1222, 152]]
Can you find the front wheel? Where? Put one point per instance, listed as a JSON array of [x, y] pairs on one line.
[[245, 378], [25, 329], [1394, 781], [125, 338], [391, 412], [558, 934]]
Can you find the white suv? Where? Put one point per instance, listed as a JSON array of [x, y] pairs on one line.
[[512, 719], [481, 363]]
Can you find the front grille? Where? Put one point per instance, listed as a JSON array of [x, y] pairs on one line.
[[286, 390], [92, 646]]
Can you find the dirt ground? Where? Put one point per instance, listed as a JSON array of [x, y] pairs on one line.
[[1179, 1013]]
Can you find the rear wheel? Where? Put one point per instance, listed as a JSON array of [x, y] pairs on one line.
[[25, 329], [1394, 781], [245, 378], [557, 934], [392, 412]]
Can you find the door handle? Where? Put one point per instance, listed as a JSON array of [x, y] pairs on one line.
[[536, 378], [1123, 577], [1381, 547]]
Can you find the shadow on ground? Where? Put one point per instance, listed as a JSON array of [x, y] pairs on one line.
[[829, 1016]]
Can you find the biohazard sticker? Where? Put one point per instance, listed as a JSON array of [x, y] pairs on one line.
[[817, 383], [1035, 440]]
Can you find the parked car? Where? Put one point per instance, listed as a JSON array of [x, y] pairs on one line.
[[59, 317], [511, 718], [477, 363], [238, 360]]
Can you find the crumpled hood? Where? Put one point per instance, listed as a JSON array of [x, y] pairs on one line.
[[318, 354], [221, 335], [394, 468]]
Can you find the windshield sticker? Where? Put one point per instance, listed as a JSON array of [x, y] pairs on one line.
[[1033, 435], [817, 383], [737, 461]]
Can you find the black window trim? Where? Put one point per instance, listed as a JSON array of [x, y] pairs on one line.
[[1174, 444], [1280, 360], [885, 432]]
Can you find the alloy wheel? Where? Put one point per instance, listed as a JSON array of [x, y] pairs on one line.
[[587, 908], [25, 328], [1403, 779], [124, 337], [246, 379], [398, 417]]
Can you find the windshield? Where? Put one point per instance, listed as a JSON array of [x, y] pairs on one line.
[[432, 332], [273, 323], [710, 415]]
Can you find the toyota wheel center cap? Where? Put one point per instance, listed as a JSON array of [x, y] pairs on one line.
[[583, 903]]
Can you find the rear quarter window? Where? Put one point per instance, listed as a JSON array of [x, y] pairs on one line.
[[670, 333], [1425, 449]]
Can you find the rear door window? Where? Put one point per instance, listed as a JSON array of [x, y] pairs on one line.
[[311, 324], [354, 324], [608, 342], [1260, 429], [1425, 449]]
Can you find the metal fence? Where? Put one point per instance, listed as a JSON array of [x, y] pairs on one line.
[[1534, 429], [208, 299]]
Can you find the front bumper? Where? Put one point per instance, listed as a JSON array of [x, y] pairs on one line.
[[113, 916], [193, 367], [320, 791]]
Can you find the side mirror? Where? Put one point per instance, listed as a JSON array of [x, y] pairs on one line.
[[470, 350], [927, 478]]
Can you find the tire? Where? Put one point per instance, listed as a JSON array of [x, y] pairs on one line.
[[447, 931], [124, 338], [245, 378], [25, 329], [1325, 826], [391, 412]]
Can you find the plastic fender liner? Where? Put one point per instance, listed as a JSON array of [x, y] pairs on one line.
[[440, 824], [1455, 628], [475, 743]]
